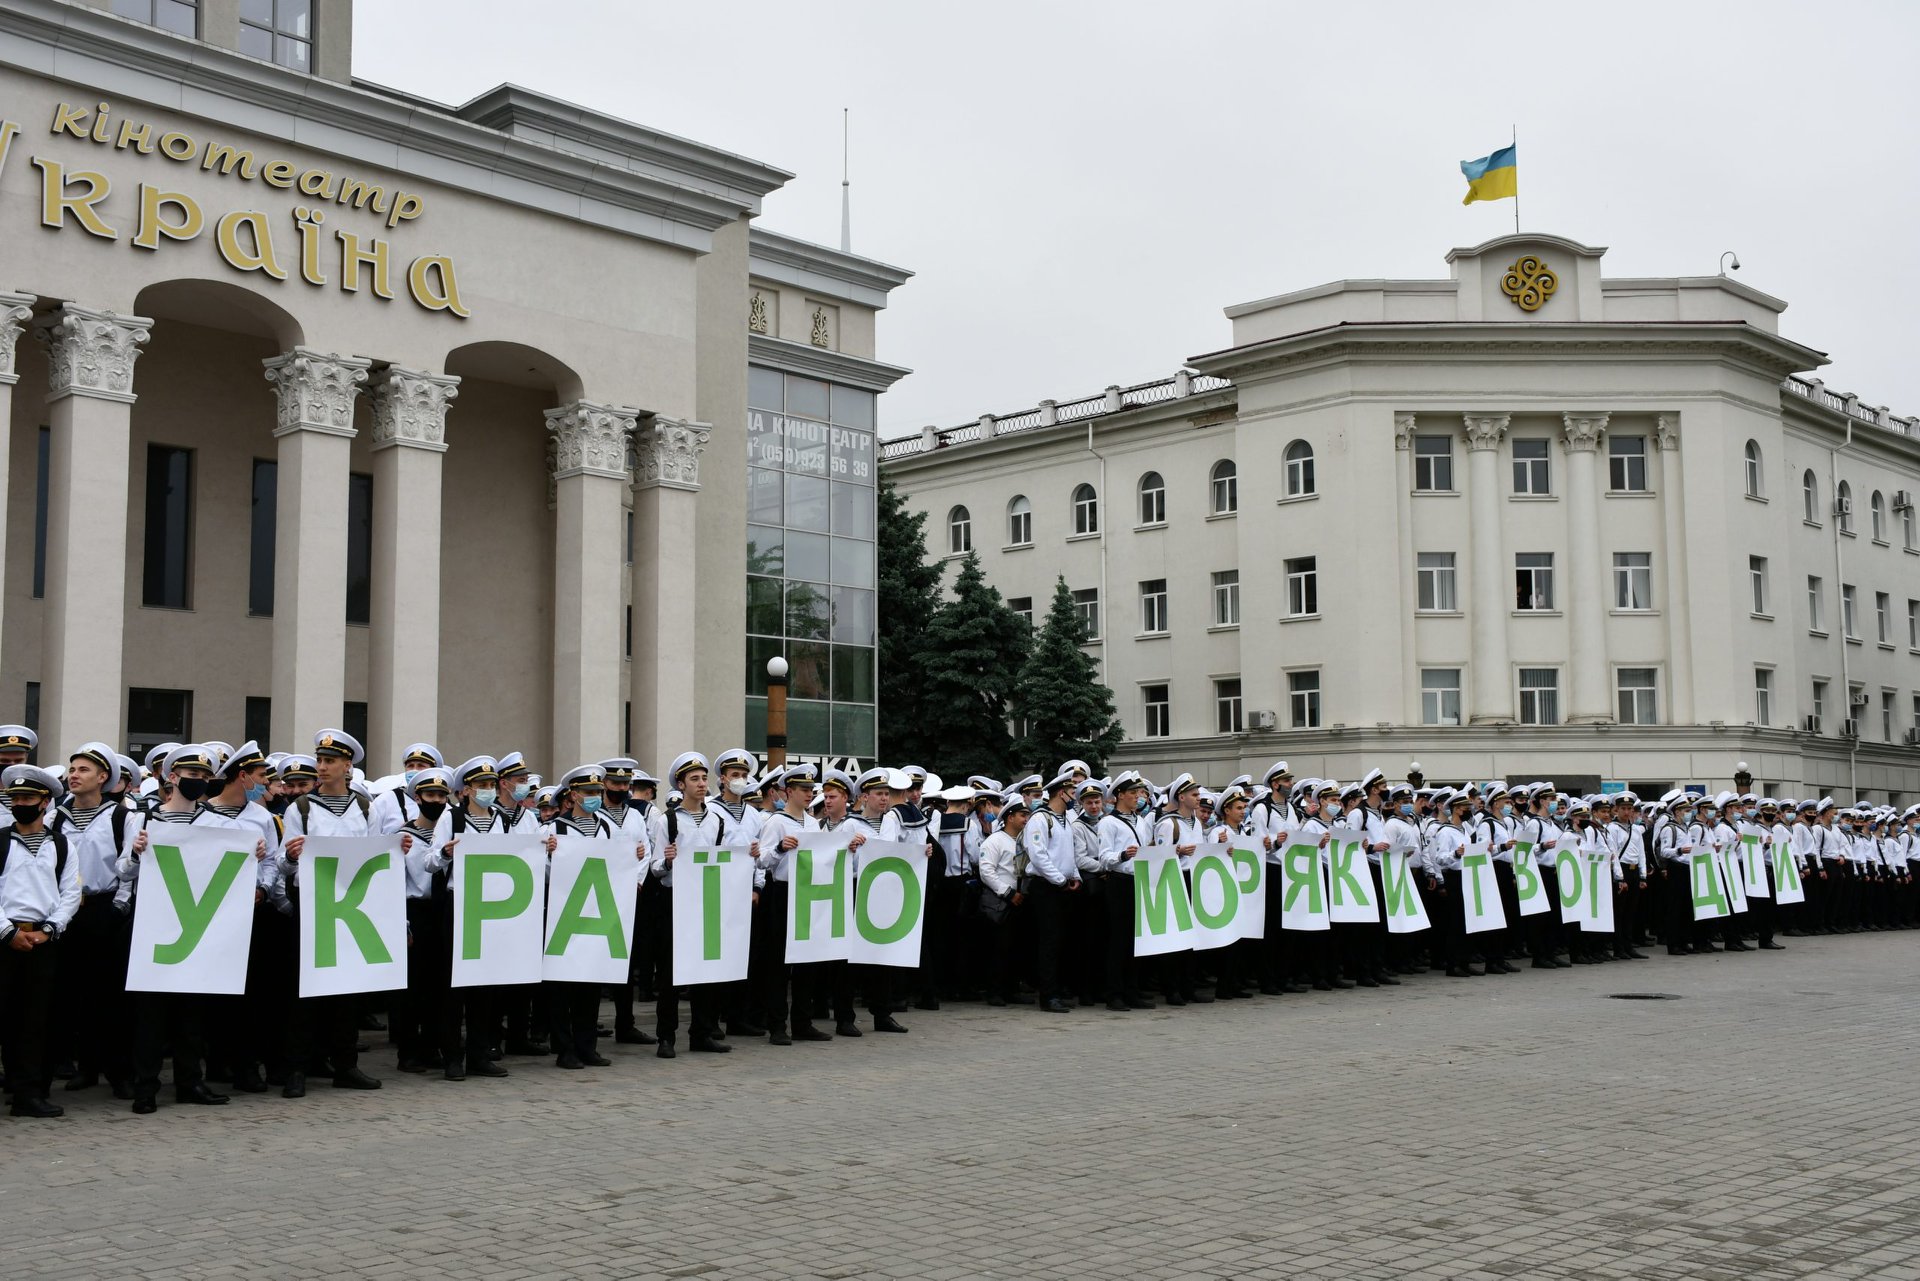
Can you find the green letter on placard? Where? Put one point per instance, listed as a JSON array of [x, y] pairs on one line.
[[1154, 901], [1706, 883], [1397, 883], [710, 900], [330, 911], [1300, 870], [596, 882], [1229, 891], [1785, 875], [872, 871], [195, 915], [479, 910], [1562, 861], [1470, 865], [1249, 861], [806, 893], [1341, 855], [1526, 877]]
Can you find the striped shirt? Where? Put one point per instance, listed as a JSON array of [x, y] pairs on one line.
[[334, 805]]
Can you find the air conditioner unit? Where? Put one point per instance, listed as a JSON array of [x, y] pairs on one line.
[[1860, 700], [1843, 507], [1902, 500], [1913, 737], [1849, 729], [1812, 725], [1261, 720]]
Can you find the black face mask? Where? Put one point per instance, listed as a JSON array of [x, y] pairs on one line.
[[193, 789], [617, 799], [25, 814], [432, 810]]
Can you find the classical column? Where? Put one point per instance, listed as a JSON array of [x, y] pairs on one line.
[[15, 311], [403, 670], [1492, 702], [315, 431], [590, 473], [1679, 606], [1588, 585], [666, 486], [90, 411], [1404, 426]]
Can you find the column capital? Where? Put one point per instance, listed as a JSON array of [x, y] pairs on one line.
[[91, 353], [316, 390], [1666, 429], [590, 439], [1485, 430], [1584, 431], [1403, 428], [15, 311], [669, 451], [410, 408]]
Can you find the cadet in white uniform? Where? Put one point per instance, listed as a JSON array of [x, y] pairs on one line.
[[39, 894], [686, 824]]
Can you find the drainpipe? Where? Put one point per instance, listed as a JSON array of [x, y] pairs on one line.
[[1840, 590], [1106, 606]]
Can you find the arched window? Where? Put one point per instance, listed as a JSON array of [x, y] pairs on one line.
[[1299, 458], [1086, 510], [1019, 521], [1878, 506], [1756, 482], [1810, 496], [1843, 507], [1225, 486], [1153, 499], [959, 532]]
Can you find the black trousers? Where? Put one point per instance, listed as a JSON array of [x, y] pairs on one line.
[[1453, 921], [639, 967], [91, 1019], [1626, 905], [415, 1030], [820, 982], [27, 982], [1087, 938], [936, 931], [573, 1012], [1116, 902], [767, 957], [1049, 903], [703, 1019], [160, 1020]]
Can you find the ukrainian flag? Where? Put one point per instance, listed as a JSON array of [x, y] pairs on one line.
[[1493, 177]]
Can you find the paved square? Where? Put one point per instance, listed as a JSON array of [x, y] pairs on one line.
[[1765, 1126]]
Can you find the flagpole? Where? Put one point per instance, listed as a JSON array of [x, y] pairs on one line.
[[1516, 179]]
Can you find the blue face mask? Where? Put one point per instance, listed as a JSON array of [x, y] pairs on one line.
[[591, 804], [258, 792], [1506, 811], [521, 791], [779, 803], [484, 797], [1140, 806], [410, 775], [1406, 809]]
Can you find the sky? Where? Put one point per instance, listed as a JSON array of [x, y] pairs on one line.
[[1081, 188]]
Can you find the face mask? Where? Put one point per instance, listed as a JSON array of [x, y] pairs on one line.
[[1140, 805], [192, 789], [24, 814], [616, 798], [484, 797], [1333, 809], [738, 787], [432, 810], [1506, 811], [410, 775], [779, 804], [591, 804], [1406, 809], [521, 791], [258, 792]]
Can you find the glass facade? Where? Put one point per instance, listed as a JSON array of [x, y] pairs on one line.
[[810, 560]]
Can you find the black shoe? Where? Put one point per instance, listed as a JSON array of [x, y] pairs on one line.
[[1459, 972], [597, 1060], [1367, 980], [528, 1047], [571, 1062], [1737, 946], [808, 1032], [1139, 1003], [485, 1067], [778, 1037], [926, 1003], [1341, 982], [296, 1086], [122, 1090], [411, 1066], [744, 1029], [1772, 946], [247, 1081], [1232, 994], [145, 1106], [1563, 965], [1119, 1006], [199, 1093], [631, 1036], [83, 1081], [848, 1028], [1321, 985], [1387, 980], [1176, 1001], [1544, 965], [997, 1002], [1203, 998], [354, 1079], [1702, 948], [40, 1108], [1055, 1005], [708, 1045], [887, 1023], [456, 1071], [1294, 989], [665, 1049]]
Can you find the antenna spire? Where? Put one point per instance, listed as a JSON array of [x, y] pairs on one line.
[[846, 188]]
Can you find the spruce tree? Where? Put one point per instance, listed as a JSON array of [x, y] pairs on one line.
[[1068, 712], [908, 592], [970, 660]]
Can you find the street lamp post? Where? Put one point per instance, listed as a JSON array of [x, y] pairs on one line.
[[776, 712]]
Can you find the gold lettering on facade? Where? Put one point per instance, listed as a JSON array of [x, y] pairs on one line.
[[154, 223]]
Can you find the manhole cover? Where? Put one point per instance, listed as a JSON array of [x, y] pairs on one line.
[[1643, 996]]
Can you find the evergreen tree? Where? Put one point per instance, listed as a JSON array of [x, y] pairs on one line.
[[908, 593], [1068, 712], [970, 660]]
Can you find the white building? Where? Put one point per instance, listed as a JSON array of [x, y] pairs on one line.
[[1523, 521]]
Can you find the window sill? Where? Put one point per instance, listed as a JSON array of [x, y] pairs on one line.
[[1091, 640], [1633, 613], [1224, 627], [1439, 613], [1296, 498], [1301, 618], [1017, 547], [1811, 524], [1535, 613], [1223, 515], [1765, 618], [1815, 631], [1083, 538], [1629, 493], [1150, 525], [1436, 493], [1757, 498], [957, 555], [1912, 551], [1881, 542], [1140, 636], [1854, 640], [171, 609], [1848, 533], [1888, 646], [1533, 498]]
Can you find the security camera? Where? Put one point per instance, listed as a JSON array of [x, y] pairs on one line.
[[1724, 263], [1735, 264]]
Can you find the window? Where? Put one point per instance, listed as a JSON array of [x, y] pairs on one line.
[[1913, 624], [1153, 605], [1916, 713], [1847, 620], [1023, 607], [1843, 508], [1638, 701], [1907, 528], [1226, 598], [959, 532], [1433, 574], [260, 545], [1159, 714], [1819, 703], [1809, 498], [168, 571], [42, 471], [1019, 522], [1433, 463], [30, 707], [1877, 512], [1303, 587], [278, 31], [1153, 499], [176, 16], [1303, 699], [359, 551], [1633, 580], [1856, 699], [1440, 696], [1883, 617], [626, 648], [1532, 468], [1816, 604], [157, 716], [258, 722], [353, 719], [1763, 696], [1757, 580], [1086, 510], [1227, 715], [1299, 460], [627, 544], [1087, 605], [1886, 714], [1225, 487], [1627, 464], [1533, 580], [1756, 478], [1539, 696]]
